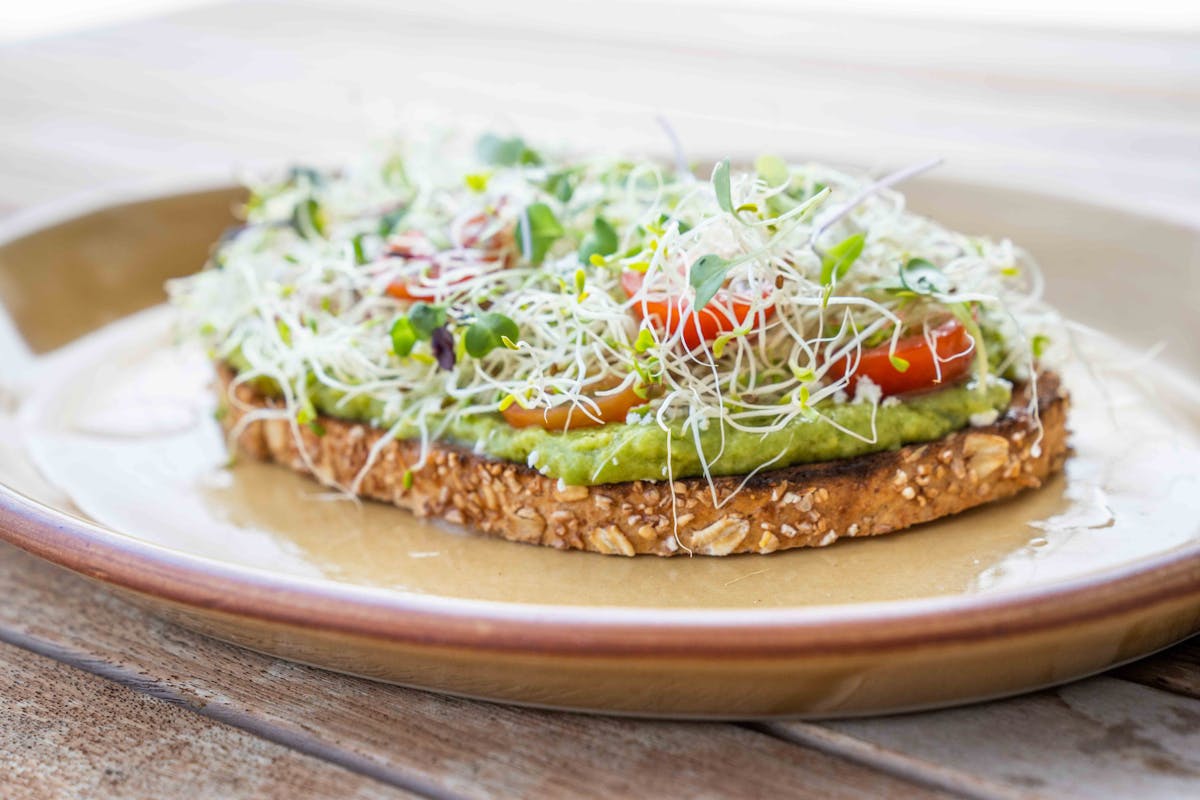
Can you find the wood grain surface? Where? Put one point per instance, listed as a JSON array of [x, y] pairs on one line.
[[99, 699], [108, 740], [428, 744], [1099, 737], [1176, 670]]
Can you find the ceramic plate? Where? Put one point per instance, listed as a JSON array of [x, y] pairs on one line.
[[113, 466]]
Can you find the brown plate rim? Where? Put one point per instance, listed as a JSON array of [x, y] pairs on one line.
[[202, 583], [427, 620]]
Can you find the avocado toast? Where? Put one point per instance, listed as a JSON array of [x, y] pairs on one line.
[[609, 354]]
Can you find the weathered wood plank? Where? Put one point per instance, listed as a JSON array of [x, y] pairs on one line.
[[413, 739], [1175, 670], [1101, 737], [67, 733], [893, 761]]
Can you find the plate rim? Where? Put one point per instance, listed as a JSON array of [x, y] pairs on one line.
[[201, 583], [206, 584]]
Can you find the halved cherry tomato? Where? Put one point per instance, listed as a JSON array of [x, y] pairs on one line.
[[421, 287], [490, 253], [567, 417], [955, 352], [724, 313], [411, 244], [415, 246], [415, 289], [469, 233]]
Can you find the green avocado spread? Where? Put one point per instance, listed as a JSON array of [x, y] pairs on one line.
[[620, 452], [625, 452]]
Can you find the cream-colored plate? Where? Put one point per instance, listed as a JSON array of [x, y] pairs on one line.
[[1099, 566]]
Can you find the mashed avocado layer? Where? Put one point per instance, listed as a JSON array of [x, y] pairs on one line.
[[621, 452], [626, 452]]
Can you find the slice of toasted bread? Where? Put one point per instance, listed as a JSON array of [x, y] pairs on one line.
[[808, 505]]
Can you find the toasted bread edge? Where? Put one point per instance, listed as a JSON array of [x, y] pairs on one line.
[[807, 505]]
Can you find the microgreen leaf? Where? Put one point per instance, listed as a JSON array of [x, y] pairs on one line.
[[404, 337], [308, 219], [489, 332], [644, 341], [307, 415], [425, 319], [477, 181], [285, 333], [302, 174], [921, 277], [722, 341], [394, 173], [807, 412], [1039, 344], [900, 364], [773, 170], [803, 374], [720, 182], [561, 185], [442, 344], [837, 260], [360, 256], [601, 241], [505, 152], [879, 337], [785, 201], [389, 221], [537, 230], [706, 277]]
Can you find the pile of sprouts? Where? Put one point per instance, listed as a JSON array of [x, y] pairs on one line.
[[433, 286]]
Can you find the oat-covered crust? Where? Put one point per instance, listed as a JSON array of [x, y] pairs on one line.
[[808, 505]]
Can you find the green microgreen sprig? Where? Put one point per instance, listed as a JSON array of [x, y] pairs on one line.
[[602, 240], [537, 230]]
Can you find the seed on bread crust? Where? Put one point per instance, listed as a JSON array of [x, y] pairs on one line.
[[800, 506]]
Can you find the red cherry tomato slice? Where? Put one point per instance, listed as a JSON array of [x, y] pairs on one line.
[[468, 236], [420, 287], [611, 408], [954, 350], [724, 313], [412, 245], [403, 290]]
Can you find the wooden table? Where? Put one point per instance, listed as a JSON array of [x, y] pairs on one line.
[[99, 699]]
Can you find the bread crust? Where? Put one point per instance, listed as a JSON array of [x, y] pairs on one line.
[[807, 505]]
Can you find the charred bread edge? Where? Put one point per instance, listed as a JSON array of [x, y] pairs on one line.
[[807, 505]]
